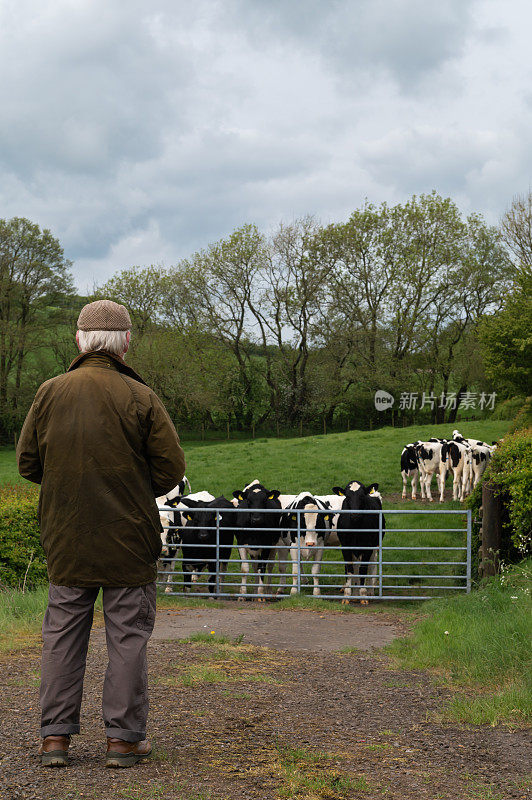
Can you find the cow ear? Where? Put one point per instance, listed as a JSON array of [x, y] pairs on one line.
[[372, 488], [238, 495], [189, 517], [294, 517], [274, 494], [326, 517], [338, 490]]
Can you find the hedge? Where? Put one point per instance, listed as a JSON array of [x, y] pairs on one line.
[[510, 468], [21, 555]]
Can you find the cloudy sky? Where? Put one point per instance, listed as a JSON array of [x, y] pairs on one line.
[[139, 132]]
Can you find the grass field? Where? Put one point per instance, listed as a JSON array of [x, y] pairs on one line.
[[316, 463]]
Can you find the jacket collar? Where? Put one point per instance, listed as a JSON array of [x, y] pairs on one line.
[[103, 357]]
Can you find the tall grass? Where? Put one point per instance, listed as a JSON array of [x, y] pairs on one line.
[[21, 617], [481, 641]]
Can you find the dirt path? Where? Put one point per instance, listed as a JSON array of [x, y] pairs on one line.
[[242, 722], [284, 630]]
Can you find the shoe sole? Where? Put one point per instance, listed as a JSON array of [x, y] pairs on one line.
[[55, 758], [125, 759]]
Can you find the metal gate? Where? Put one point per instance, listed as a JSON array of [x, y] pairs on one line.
[[437, 563]]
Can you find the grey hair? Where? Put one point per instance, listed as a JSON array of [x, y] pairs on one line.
[[112, 341]]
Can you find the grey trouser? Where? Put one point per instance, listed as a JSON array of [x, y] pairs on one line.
[[129, 615]]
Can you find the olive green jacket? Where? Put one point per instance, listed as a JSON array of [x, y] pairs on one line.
[[102, 446]]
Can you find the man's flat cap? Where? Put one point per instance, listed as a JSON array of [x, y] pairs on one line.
[[104, 315]]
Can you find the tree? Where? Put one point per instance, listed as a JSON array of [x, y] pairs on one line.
[[516, 227], [506, 340], [34, 275]]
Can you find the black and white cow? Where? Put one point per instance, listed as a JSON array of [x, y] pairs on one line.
[[172, 523], [410, 468], [198, 539], [479, 458], [169, 532], [258, 533], [359, 533], [457, 458], [430, 463], [313, 528]]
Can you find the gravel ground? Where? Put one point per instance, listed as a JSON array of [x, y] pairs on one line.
[[248, 722]]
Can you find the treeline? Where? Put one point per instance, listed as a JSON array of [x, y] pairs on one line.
[[297, 329]]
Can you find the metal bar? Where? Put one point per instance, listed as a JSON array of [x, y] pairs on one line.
[[468, 568], [217, 552], [380, 554], [298, 550]]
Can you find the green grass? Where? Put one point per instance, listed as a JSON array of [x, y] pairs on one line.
[[480, 641], [307, 774], [21, 616], [316, 463], [8, 467]]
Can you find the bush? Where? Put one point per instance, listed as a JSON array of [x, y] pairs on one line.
[[510, 468], [20, 549]]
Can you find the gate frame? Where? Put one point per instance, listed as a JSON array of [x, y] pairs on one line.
[[380, 561]]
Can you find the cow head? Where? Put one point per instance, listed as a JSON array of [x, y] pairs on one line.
[[357, 494], [254, 499]]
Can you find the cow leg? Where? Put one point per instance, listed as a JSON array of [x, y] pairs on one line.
[[165, 574], [316, 565], [281, 556], [456, 486], [428, 481], [211, 579], [414, 484], [262, 568], [443, 475], [245, 572], [349, 574], [368, 577], [186, 578], [295, 567], [423, 484], [404, 476]]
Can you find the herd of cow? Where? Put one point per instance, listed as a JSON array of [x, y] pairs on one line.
[[465, 459], [267, 524]]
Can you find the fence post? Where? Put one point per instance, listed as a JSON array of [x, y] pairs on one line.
[[298, 550], [468, 544], [217, 553], [380, 553], [492, 511]]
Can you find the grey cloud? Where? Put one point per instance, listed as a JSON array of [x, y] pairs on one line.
[[408, 39], [138, 133]]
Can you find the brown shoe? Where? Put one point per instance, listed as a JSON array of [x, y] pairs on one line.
[[125, 754], [54, 751]]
